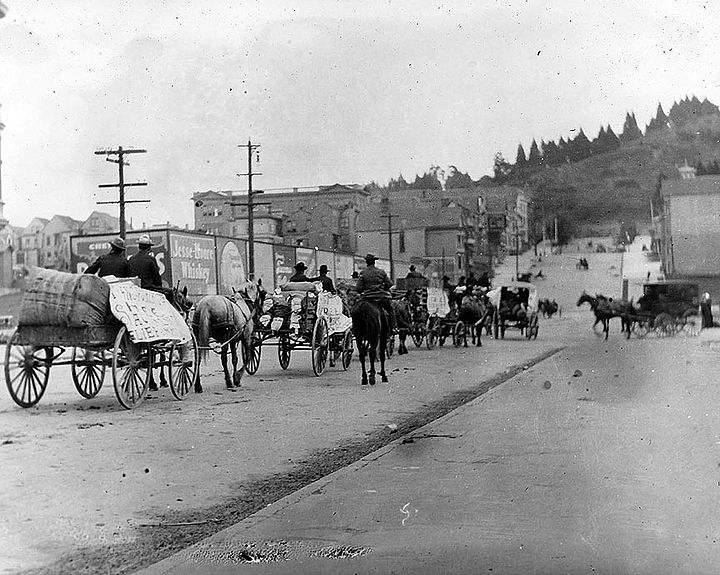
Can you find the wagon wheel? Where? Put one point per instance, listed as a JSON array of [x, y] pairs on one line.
[[284, 350], [131, 369], [496, 325], [431, 336], [252, 353], [692, 325], [418, 334], [641, 328], [534, 326], [27, 369], [319, 346], [390, 346], [459, 334], [664, 324], [88, 371], [184, 367], [347, 349]]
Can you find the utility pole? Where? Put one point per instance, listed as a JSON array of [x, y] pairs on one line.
[[121, 185], [251, 204], [390, 246]]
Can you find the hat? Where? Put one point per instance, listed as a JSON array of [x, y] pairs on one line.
[[118, 243], [144, 240], [300, 266], [412, 268], [370, 258], [323, 269]]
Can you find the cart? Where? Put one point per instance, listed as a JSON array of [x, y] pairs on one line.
[[119, 345], [305, 319], [429, 317], [667, 308], [515, 306]]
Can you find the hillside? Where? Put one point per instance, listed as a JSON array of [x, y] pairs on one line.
[[612, 179]]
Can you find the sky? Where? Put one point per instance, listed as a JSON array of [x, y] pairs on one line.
[[332, 91]]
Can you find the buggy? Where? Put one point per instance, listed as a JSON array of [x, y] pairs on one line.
[[666, 308], [515, 306]]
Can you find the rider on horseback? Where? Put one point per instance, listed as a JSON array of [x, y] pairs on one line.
[[374, 286]]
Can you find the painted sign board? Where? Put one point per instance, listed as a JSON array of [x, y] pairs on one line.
[[231, 259], [284, 262], [192, 262]]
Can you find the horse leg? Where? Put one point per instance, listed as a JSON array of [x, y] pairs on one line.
[[383, 375], [237, 373], [372, 352], [224, 361], [163, 380], [361, 353], [606, 327]]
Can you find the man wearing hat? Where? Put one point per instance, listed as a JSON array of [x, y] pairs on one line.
[[299, 275], [374, 286], [144, 266], [413, 273], [113, 263], [323, 278]]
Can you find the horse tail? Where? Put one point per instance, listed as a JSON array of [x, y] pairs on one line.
[[203, 329]]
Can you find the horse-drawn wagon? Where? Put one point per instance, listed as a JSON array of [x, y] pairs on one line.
[[99, 325], [666, 308], [515, 306], [299, 316]]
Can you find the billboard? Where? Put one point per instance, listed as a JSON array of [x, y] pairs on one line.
[[232, 264], [284, 262], [192, 263]]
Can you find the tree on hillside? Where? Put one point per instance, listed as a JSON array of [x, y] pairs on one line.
[[428, 181], [457, 179], [630, 129], [399, 184], [660, 122], [535, 156], [501, 169], [580, 147], [551, 154], [520, 158]]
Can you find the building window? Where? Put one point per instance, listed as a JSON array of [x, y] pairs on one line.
[[401, 241], [459, 262]]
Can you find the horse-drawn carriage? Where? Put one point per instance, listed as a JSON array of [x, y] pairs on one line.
[[432, 319], [91, 325], [302, 317], [666, 308], [515, 306]]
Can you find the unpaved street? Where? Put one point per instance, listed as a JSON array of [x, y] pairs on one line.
[[91, 486]]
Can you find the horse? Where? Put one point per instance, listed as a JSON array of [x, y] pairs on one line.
[[548, 308], [474, 313], [227, 320], [179, 300], [606, 308], [371, 327], [403, 321]]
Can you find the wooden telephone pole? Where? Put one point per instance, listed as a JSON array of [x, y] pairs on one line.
[[390, 244], [251, 204], [121, 185]]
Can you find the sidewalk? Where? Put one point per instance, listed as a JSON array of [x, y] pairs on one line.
[[601, 459]]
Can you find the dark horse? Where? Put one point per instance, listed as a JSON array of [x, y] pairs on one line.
[[371, 327], [403, 319], [227, 320], [606, 308], [474, 313], [179, 300]]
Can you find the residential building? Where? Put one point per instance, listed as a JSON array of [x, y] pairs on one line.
[[56, 242], [690, 230], [324, 217], [101, 223], [31, 243]]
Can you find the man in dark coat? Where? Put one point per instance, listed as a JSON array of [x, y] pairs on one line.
[[144, 266], [113, 263], [323, 278], [299, 275], [374, 286]]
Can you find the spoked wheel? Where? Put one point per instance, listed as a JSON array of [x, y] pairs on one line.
[[252, 354], [692, 326], [347, 349], [390, 346], [319, 346], [27, 370], [131, 369], [284, 350], [496, 326], [641, 328], [534, 327], [88, 371], [459, 334], [431, 336], [184, 367]]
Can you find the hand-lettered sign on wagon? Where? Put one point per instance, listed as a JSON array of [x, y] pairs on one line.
[[147, 315]]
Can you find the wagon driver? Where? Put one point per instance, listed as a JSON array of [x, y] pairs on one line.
[[299, 275], [144, 266], [113, 263], [374, 285]]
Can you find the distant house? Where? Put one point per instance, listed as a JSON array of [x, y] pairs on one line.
[[31, 243], [100, 223], [690, 230], [55, 253]]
